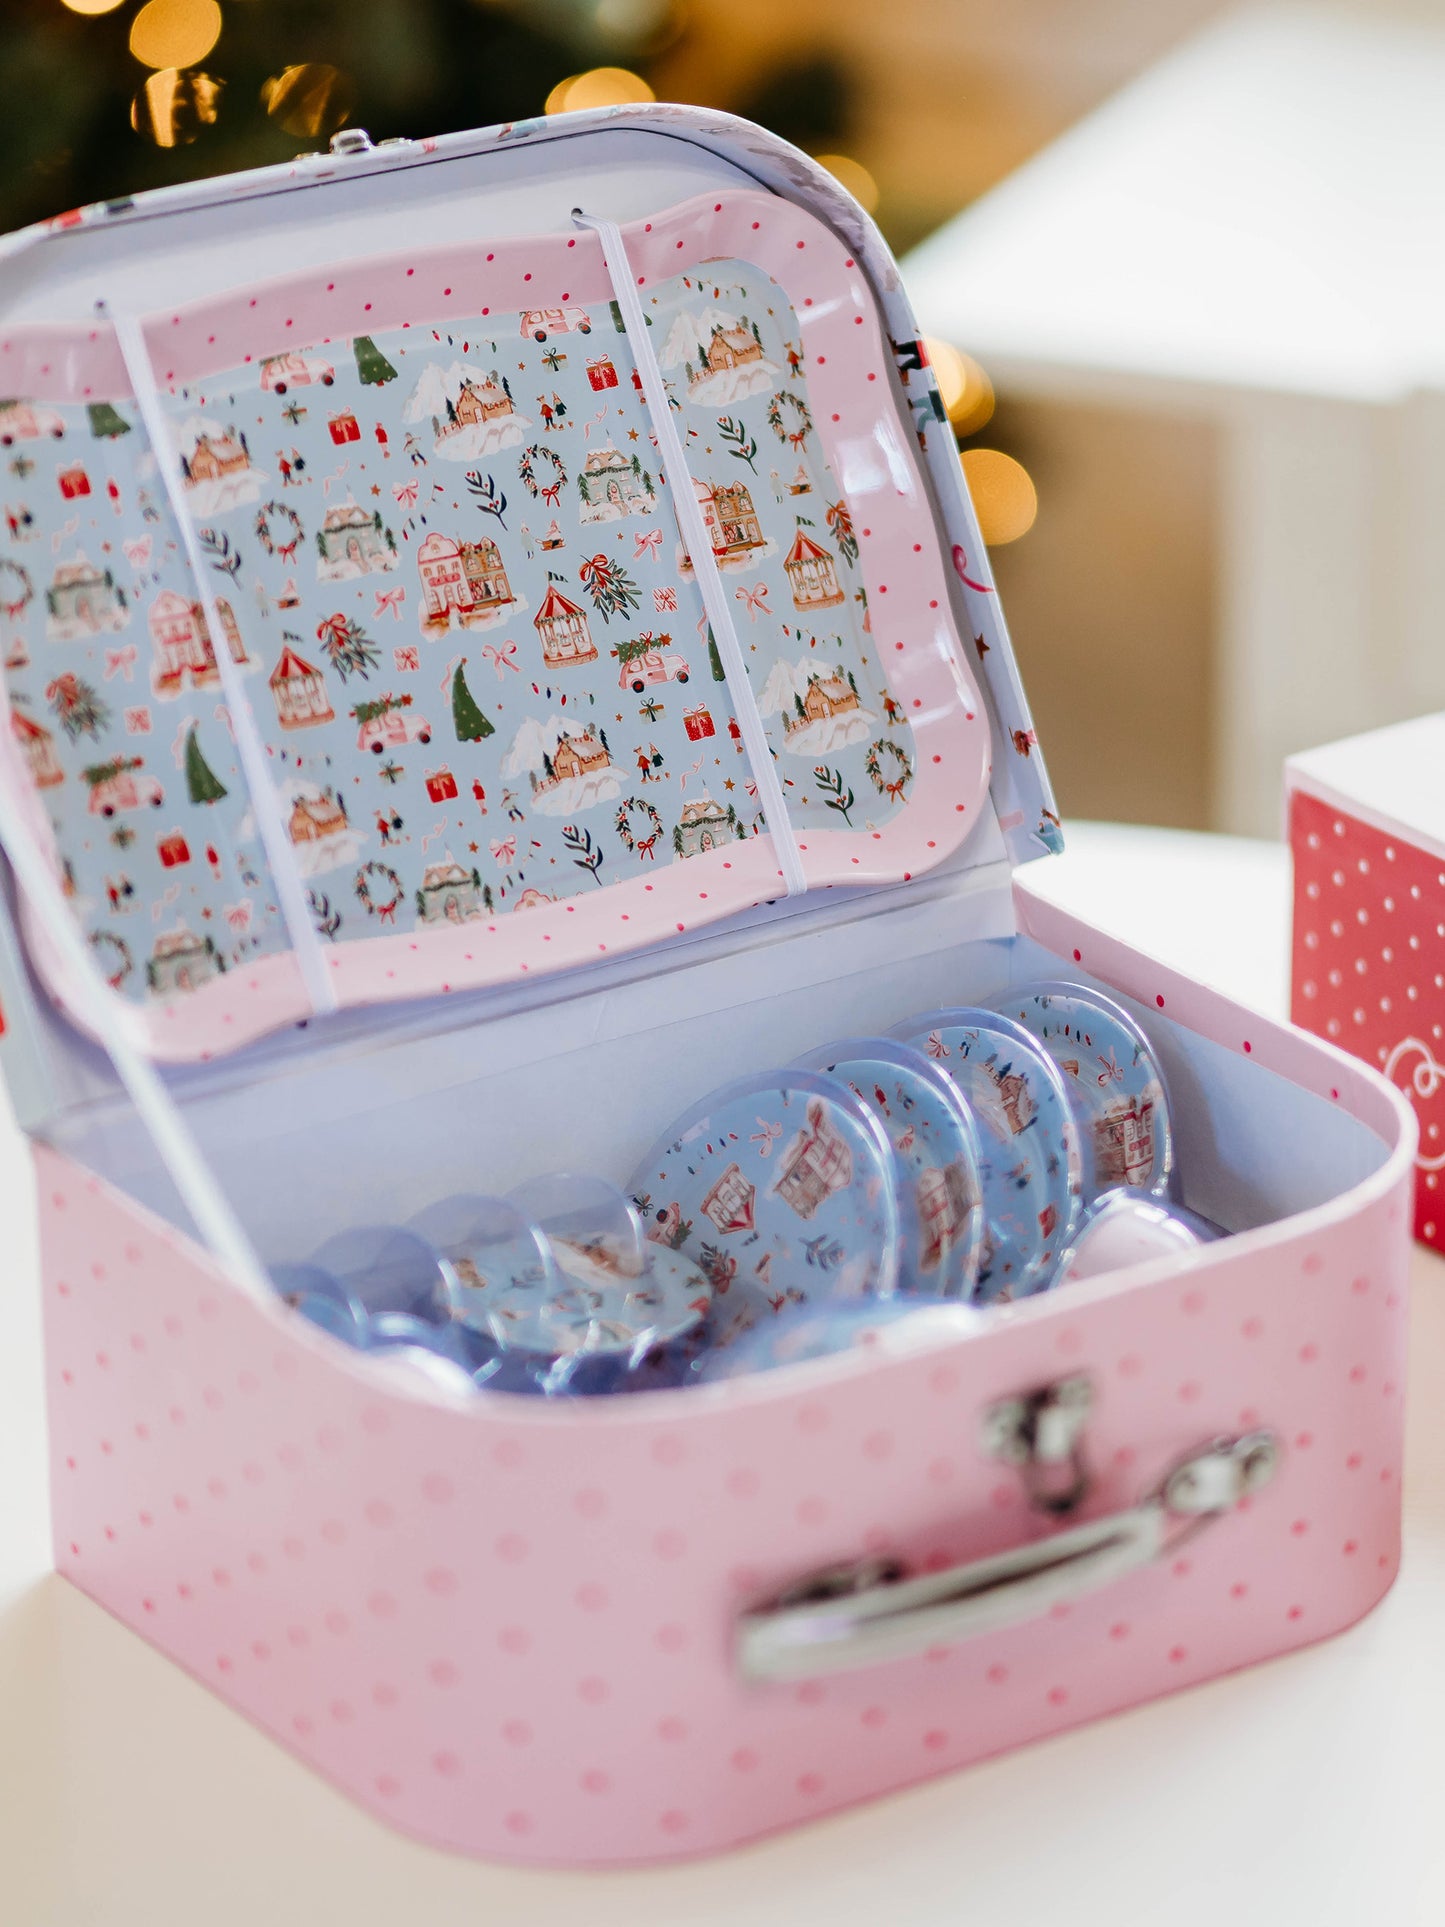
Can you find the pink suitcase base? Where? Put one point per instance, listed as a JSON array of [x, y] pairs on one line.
[[507, 1629]]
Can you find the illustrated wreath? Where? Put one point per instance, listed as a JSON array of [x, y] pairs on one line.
[[526, 470], [17, 591], [802, 421], [362, 886], [646, 845], [902, 768], [279, 512], [106, 943]]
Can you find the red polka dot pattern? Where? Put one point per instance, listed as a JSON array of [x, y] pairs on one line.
[[1368, 968], [507, 1629]]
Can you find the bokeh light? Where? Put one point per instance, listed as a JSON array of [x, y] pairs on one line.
[[1004, 497], [966, 391], [854, 176], [309, 100], [598, 87], [90, 7], [175, 33], [174, 105]]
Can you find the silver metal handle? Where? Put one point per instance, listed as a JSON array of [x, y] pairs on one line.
[[863, 1614]]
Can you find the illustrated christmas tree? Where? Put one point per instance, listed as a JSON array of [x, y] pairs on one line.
[[719, 674], [471, 724], [202, 783], [104, 421], [371, 364]]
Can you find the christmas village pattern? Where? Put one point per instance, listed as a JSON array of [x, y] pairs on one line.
[[446, 565]]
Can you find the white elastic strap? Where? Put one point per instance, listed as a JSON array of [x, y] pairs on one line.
[[309, 950], [213, 1217], [699, 547]]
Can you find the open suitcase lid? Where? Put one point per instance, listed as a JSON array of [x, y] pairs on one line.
[[436, 595]]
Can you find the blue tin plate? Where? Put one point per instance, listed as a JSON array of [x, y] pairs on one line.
[[1033, 1164], [936, 1147], [486, 1247], [781, 1188], [1113, 1078], [1123, 1227], [595, 1327]]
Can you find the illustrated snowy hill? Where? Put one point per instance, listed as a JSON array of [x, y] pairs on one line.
[[438, 398], [687, 344], [220, 474], [815, 737], [531, 753]]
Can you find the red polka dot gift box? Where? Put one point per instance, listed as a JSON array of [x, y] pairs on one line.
[[621, 1629], [1367, 832]]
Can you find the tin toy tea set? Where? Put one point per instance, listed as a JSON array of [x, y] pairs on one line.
[[496, 647]]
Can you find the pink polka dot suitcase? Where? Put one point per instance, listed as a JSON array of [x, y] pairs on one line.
[[613, 1630], [1369, 886]]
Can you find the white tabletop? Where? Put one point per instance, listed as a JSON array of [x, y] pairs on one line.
[[1302, 1791], [1261, 210]]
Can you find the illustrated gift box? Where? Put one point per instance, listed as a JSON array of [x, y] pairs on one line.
[[344, 428], [1367, 835], [619, 1630], [173, 850], [441, 785], [601, 373]]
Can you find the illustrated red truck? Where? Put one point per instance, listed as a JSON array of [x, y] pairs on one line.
[[389, 723], [280, 372], [115, 786], [540, 322]]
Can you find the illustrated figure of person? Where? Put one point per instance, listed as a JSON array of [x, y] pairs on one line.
[[480, 794], [559, 405], [544, 408], [285, 467]]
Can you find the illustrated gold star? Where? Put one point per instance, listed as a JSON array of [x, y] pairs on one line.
[[632, 434], [729, 784]]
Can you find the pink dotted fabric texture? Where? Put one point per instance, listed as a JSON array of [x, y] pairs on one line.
[[1368, 969]]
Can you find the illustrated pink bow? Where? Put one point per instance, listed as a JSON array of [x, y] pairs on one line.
[[287, 550], [120, 662], [238, 915], [766, 1136], [405, 493], [551, 493], [936, 1046], [138, 553], [648, 539], [755, 601], [501, 659], [391, 599], [1113, 1071], [505, 850]]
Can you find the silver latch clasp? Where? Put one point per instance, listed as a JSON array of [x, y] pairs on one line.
[[1042, 1433]]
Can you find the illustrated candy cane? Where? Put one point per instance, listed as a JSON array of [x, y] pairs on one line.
[[960, 569]]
